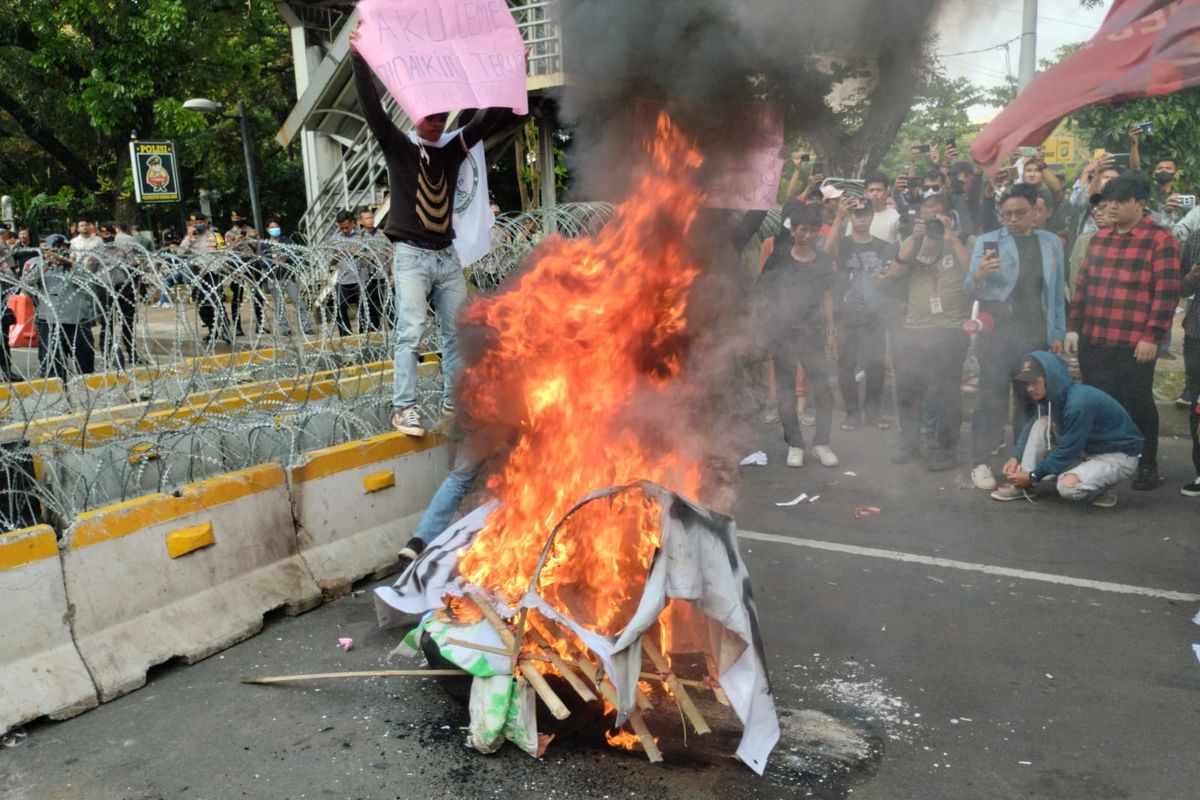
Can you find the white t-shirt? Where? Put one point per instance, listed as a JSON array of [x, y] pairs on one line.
[[886, 225]]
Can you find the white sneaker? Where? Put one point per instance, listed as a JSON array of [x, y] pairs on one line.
[[771, 417], [826, 456], [795, 457], [807, 419], [1008, 492], [983, 478], [408, 422], [1106, 499]]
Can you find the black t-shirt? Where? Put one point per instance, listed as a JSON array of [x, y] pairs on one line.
[[790, 291], [856, 261], [1027, 296]]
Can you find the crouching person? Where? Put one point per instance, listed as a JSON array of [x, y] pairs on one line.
[[1078, 433]]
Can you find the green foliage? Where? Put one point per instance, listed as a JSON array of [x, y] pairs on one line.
[[939, 113], [84, 73], [1176, 119]]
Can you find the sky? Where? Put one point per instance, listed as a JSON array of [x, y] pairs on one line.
[[980, 24]]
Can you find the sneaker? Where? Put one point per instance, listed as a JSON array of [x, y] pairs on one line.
[[1000, 448], [983, 478], [795, 457], [1184, 403], [447, 409], [1106, 499], [942, 460], [771, 417], [1147, 478], [808, 420], [826, 456], [1191, 489], [410, 551], [850, 422], [1008, 492], [408, 422], [970, 386]]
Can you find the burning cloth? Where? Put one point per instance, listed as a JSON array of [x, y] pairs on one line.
[[695, 568]]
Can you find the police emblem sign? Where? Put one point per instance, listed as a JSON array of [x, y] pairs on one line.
[[155, 172]]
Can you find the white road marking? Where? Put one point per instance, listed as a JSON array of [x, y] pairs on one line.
[[986, 569]]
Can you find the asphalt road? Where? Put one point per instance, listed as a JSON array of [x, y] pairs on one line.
[[1073, 678]]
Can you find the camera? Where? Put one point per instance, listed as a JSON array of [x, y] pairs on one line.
[[935, 229], [1186, 200]]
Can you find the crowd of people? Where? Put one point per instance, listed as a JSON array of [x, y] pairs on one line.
[[996, 286], [86, 285]]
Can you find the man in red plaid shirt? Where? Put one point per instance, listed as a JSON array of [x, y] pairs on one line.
[[1124, 302]]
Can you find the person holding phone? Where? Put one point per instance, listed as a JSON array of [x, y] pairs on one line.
[[1017, 275]]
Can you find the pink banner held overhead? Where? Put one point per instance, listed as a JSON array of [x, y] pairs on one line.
[[443, 55], [747, 176]]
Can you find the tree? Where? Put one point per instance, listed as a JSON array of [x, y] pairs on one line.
[[76, 76], [939, 113]]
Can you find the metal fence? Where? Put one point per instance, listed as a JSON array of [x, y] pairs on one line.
[[153, 370]]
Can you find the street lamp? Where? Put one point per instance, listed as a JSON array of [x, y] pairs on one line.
[[205, 106]]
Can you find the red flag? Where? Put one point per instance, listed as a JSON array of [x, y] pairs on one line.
[[1145, 48]]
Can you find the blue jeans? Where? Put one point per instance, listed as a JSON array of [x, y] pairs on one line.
[[448, 496], [423, 275]]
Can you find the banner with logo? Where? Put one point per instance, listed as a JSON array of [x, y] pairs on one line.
[[155, 172]]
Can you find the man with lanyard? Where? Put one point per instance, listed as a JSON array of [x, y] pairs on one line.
[[1017, 275], [422, 175], [1123, 307]]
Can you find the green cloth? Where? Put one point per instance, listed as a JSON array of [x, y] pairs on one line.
[[936, 272]]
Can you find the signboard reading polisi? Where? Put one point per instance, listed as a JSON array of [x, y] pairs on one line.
[[749, 179], [155, 172], [441, 55]]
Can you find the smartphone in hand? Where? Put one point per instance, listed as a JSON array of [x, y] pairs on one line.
[[991, 249]]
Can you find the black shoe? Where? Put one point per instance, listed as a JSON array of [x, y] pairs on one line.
[[942, 460], [1147, 478], [906, 453], [239, 331], [410, 551], [1191, 488], [1184, 403]]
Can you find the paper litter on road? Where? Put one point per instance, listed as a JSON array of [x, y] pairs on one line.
[[850, 474], [1196, 619], [814, 498], [865, 511], [346, 643], [803, 496], [758, 458], [1196, 650]]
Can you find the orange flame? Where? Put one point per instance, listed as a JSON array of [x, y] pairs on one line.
[[588, 338], [623, 739]]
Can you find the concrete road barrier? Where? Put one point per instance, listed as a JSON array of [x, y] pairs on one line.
[[182, 576], [356, 504], [41, 673]]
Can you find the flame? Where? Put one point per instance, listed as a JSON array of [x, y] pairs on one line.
[[623, 739], [584, 349]]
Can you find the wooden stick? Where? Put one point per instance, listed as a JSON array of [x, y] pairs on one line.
[[643, 702], [654, 676], [376, 673], [548, 695], [568, 672], [682, 698], [605, 687]]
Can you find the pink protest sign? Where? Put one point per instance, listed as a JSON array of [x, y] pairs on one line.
[[442, 55], [747, 176]]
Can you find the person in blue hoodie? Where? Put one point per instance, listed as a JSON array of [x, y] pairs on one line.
[[1017, 275], [1079, 437]]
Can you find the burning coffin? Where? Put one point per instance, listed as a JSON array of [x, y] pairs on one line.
[[691, 594]]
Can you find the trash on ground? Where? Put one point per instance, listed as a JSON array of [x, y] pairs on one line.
[[865, 511], [346, 643], [757, 458], [803, 496]]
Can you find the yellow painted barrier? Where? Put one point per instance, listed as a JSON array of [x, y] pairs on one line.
[[358, 503], [230, 556], [41, 672]]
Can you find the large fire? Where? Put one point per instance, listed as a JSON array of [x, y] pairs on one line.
[[587, 350]]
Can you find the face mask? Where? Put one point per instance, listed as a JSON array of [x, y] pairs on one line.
[[1162, 176], [931, 191], [274, 232]]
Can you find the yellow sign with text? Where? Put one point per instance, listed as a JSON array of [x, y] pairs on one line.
[[1059, 150]]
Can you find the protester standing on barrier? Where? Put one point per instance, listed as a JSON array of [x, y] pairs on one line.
[[63, 293], [242, 241], [422, 174], [281, 278]]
